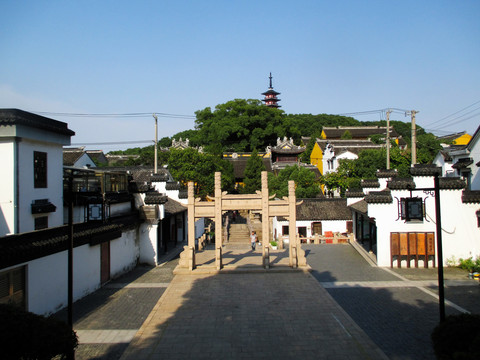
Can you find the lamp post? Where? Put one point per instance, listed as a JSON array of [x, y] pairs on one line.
[[156, 142], [438, 220]]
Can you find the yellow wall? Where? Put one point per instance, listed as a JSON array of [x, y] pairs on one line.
[[322, 135], [462, 140], [316, 157]]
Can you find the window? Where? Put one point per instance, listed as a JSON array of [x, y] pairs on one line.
[[478, 218], [39, 169], [12, 286], [285, 229], [41, 222], [412, 209]]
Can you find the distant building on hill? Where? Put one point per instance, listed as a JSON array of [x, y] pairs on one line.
[[362, 133], [270, 98], [460, 138]]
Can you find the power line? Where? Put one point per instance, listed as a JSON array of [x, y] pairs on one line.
[[115, 143], [455, 113], [118, 115]]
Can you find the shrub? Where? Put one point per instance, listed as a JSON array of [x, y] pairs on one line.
[[470, 264], [273, 243], [458, 337], [30, 336]]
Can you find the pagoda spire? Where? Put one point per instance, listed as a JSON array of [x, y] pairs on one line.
[[270, 98]]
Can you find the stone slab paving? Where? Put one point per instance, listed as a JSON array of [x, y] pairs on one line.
[[397, 308], [249, 316], [107, 320]]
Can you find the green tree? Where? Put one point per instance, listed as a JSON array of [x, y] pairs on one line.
[[253, 173], [347, 135], [305, 157], [190, 165], [306, 184], [242, 125]]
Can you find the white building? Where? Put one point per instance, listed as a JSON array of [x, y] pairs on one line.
[[31, 186], [401, 238]]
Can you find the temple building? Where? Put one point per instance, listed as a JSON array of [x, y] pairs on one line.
[[271, 99]]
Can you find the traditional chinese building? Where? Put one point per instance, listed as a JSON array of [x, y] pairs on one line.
[[271, 99]]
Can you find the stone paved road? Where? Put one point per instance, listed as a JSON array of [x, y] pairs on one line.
[[108, 319], [399, 319]]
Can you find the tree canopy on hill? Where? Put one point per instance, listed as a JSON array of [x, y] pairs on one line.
[[242, 126]]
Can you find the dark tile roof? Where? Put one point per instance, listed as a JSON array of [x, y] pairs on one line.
[[143, 175], [323, 209], [471, 196], [425, 170], [370, 183], [358, 131], [154, 197], [183, 194], [20, 248], [173, 207], [379, 197], [463, 163], [172, 186], [239, 165], [20, 117], [360, 206], [354, 193], [401, 184], [386, 173], [451, 183], [341, 146], [71, 157]]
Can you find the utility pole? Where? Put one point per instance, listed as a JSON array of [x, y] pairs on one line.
[[388, 138], [414, 137], [156, 142]]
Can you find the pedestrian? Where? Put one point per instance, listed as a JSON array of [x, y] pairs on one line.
[[253, 239]]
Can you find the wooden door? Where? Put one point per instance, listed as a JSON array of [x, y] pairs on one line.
[[105, 262], [317, 228]]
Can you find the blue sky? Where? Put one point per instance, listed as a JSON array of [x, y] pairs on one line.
[[176, 57]]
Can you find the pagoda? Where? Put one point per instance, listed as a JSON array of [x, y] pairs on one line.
[[271, 99]]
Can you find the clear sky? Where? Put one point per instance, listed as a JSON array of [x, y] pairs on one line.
[[176, 57]]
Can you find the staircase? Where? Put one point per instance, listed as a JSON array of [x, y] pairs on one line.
[[239, 234]]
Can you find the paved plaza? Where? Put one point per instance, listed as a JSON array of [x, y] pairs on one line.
[[343, 308]]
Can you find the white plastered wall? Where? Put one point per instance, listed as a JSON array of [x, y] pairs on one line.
[[7, 187]]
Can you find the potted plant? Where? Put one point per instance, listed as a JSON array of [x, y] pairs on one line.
[[274, 245]]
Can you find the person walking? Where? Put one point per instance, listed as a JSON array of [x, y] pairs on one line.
[[253, 239]]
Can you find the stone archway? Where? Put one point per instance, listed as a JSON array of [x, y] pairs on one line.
[[260, 201]]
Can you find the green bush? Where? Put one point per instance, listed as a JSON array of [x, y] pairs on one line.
[[457, 338], [470, 264], [27, 336]]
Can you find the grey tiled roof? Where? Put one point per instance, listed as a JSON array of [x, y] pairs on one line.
[[323, 209], [172, 186], [401, 184], [360, 206], [354, 193], [20, 117], [451, 183], [463, 163], [20, 248], [70, 157], [370, 183], [470, 196], [173, 207], [386, 173], [154, 197], [379, 197], [425, 170]]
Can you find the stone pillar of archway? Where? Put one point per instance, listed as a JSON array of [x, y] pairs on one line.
[[265, 222], [292, 222], [218, 220]]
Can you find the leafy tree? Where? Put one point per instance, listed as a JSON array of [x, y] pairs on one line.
[[346, 135], [190, 165], [306, 184], [241, 125], [305, 157], [253, 173]]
